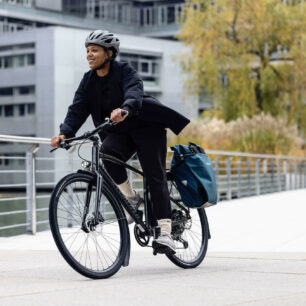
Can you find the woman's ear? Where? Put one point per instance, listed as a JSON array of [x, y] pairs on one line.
[[110, 53]]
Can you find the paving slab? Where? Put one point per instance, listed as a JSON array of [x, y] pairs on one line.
[[257, 256], [44, 278]]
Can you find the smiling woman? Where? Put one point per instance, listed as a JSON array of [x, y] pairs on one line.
[[105, 91], [98, 56]]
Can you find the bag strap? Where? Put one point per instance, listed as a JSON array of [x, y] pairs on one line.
[[195, 148]]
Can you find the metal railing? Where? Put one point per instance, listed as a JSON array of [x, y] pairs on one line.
[[25, 187]]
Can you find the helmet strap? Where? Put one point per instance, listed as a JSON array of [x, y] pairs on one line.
[[106, 61]]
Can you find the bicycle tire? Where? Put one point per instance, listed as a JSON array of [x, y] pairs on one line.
[[94, 239], [199, 223]]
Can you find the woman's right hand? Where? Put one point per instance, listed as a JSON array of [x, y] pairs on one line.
[[55, 141]]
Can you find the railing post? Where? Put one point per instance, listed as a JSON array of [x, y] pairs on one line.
[[70, 159], [272, 174], [285, 173], [301, 175], [279, 184], [304, 170], [249, 176], [31, 189], [239, 177], [228, 178], [295, 175], [217, 174], [257, 181], [290, 175], [265, 175]]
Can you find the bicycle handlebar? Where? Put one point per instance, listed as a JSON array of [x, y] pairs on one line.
[[65, 143]]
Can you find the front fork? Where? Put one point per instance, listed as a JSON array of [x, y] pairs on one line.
[[97, 217]]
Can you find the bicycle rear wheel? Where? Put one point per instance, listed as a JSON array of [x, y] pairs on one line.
[[190, 232], [96, 249]]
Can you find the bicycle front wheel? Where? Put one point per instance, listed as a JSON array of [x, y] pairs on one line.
[[94, 246]]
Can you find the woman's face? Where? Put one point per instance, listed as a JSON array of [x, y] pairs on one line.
[[95, 56]]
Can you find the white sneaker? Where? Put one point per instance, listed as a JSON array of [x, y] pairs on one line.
[[164, 244], [135, 202]]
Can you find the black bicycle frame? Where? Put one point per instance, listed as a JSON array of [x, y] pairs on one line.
[[101, 175]]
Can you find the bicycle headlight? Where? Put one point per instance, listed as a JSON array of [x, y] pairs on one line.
[[85, 164]]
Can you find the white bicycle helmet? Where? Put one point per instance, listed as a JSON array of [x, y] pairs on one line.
[[105, 39]]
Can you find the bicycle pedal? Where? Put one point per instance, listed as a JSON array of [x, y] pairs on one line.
[[162, 249]]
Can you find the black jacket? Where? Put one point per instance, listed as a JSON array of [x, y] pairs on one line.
[[126, 91]]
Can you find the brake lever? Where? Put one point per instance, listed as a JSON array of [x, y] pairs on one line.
[[63, 145]]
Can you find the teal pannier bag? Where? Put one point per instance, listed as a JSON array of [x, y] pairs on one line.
[[193, 173]]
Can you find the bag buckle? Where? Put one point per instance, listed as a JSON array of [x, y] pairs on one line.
[[182, 156]]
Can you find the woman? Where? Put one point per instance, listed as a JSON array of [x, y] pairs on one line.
[[107, 89]]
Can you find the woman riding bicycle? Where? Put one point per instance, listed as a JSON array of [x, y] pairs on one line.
[[109, 88]]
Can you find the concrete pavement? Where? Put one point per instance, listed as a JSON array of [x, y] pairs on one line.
[[257, 256]]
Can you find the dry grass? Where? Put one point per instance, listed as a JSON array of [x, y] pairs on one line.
[[259, 134]]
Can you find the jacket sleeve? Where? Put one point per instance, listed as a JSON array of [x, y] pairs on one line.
[[77, 113], [132, 90]]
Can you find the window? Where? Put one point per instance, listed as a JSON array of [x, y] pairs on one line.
[[134, 64], [26, 90], [8, 110], [171, 14], [6, 48], [21, 108], [17, 47], [31, 109], [31, 59], [144, 67], [20, 61], [8, 62], [6, 91], [17, 61], [22, 90]]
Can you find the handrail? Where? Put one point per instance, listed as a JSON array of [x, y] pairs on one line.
[[248, 175], [23, 139], [36, 140]]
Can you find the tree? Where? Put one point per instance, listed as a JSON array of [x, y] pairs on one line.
[[249, 55]]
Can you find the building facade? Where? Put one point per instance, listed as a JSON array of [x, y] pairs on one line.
[[40, 70], [153, 18]]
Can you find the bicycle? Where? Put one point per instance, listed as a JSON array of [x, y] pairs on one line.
[[89, 225]]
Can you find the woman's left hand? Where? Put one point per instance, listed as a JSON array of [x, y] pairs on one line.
[[116, 115]]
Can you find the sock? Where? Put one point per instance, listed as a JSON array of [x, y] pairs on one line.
[[126, 189], [165, 226]]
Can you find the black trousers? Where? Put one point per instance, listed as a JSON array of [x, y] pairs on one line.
[[150, 143]]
